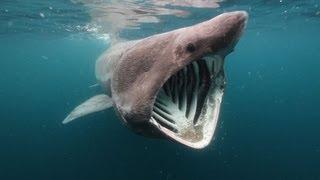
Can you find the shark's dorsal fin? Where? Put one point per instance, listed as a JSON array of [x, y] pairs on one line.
[[94, 104]]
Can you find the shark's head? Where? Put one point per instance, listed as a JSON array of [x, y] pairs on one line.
[[171, 84]]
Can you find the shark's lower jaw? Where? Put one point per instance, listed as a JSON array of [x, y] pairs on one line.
[[187, 106]]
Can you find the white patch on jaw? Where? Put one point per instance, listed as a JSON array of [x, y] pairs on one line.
[[124, 108]]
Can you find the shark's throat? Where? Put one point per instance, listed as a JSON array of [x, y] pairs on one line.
[[187, 106]]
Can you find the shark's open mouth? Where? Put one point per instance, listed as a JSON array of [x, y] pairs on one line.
[[187, 105]]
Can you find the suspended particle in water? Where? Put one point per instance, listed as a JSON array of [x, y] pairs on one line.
[[42, 15], [44, 57], [10, 23]]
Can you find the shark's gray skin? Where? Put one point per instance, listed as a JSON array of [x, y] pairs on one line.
[[169, 85]]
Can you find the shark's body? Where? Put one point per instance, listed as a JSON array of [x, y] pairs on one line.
[[168, 85]]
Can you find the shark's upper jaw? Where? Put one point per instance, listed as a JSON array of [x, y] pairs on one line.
[[187, 106]]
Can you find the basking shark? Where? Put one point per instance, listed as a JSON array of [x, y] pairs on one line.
[[168, 85]]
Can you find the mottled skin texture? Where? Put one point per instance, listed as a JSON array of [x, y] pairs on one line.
[[138, 70]]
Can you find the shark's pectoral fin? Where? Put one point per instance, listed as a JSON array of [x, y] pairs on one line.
[[96, 103]]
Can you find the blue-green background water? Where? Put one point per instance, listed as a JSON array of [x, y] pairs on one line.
[[269, 126]]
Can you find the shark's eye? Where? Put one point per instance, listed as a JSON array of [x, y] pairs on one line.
[[190, 47]]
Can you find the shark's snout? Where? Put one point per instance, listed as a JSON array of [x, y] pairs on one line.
[[226, 30], [242, 16], [238, 21]]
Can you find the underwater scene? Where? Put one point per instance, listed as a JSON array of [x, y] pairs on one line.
[[159, 89]]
